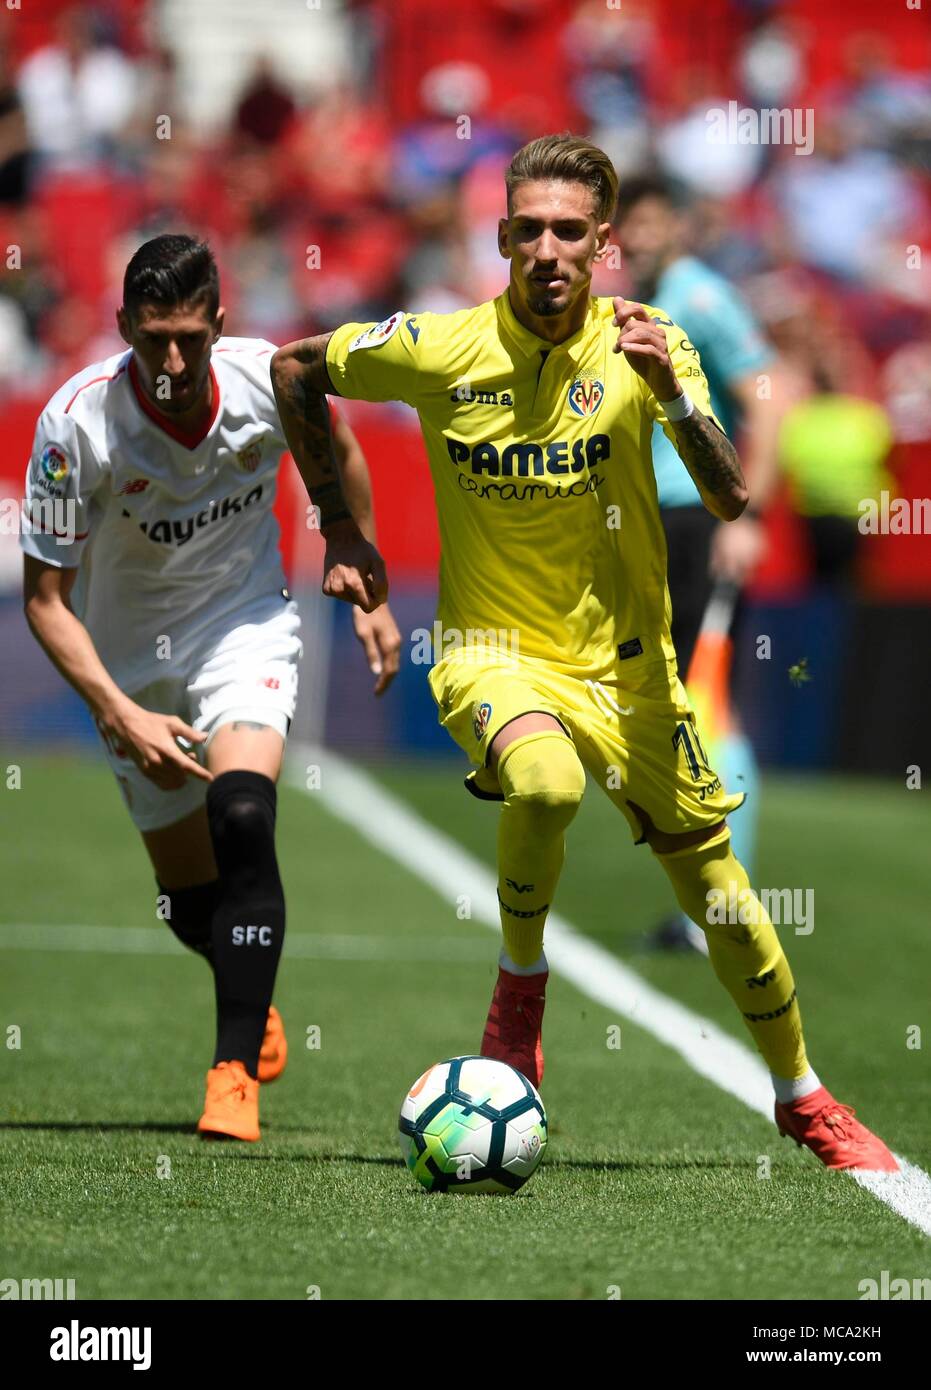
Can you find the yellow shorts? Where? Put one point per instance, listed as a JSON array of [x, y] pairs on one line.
[[640, 745]]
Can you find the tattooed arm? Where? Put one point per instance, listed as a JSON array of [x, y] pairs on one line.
[[378, 631], [712, 460], [300, 382], [353, 569], [706, 451]]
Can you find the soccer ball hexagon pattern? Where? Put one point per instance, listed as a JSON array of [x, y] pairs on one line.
[[471, 1124]]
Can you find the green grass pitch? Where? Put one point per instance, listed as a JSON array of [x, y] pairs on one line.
[[650, 1184]]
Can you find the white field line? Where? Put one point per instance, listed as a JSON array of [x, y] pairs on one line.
[[386, 822], [158, 941]]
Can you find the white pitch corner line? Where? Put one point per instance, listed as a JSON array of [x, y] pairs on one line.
[[318, 946], [353, 797]]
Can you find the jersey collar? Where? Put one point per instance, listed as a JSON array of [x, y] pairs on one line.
[[189, 438]]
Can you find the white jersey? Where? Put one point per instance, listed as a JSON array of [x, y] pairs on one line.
[[174, 535]]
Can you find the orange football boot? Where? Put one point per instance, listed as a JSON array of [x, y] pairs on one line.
[[231, 1110], [833, 1133], [274, 1053]]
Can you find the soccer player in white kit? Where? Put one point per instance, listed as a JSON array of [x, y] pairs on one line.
[[163, 602]]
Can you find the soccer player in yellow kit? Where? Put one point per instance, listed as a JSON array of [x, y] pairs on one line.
[[537, 410]]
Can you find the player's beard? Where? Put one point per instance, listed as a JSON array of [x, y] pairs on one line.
[[545, 308], [545, 304]]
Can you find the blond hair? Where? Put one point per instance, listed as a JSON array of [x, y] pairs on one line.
[[572, 159]]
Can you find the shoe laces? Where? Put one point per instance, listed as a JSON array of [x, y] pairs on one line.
[[236, 1087], [837, 1117]]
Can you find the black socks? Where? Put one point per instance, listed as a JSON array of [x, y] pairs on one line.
[[189, 913], [249, 915]]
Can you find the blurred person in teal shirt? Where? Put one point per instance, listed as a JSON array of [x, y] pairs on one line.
[[744, 377]]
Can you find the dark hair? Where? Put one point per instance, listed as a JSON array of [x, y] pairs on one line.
[[569, 158], [172, 270], [639, 186]]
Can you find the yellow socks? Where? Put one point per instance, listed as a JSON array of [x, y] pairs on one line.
[[543, 783], [743, 947]]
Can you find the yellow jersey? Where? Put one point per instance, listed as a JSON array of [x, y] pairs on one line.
[[542, 468]]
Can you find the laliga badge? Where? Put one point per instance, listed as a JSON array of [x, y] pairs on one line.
[[53, 462], [379, 333]]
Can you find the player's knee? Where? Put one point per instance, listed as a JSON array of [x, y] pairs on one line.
[[541, 775], [241, 802], [712, 887], [242, 821], [241, 809]]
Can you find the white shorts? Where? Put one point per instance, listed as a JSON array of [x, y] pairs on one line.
[[250, 672]]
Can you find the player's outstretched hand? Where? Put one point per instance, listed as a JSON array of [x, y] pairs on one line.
[[353, 570], [643, 342], [379, 635], [150, 740]]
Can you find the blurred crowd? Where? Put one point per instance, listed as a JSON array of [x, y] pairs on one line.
[[344, 202]]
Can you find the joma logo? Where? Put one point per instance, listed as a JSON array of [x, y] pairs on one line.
[[466, 396]]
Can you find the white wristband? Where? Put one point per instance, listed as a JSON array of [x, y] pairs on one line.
[[679, 409]]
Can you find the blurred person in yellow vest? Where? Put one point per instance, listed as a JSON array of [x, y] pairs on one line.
[[835, 437]]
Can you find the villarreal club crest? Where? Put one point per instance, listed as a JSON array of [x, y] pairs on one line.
[[585, 396]]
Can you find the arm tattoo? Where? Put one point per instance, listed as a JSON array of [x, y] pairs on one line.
[[328, 497], [305, 418], [709, 456]]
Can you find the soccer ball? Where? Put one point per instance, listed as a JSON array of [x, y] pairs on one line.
[[472, 1125]]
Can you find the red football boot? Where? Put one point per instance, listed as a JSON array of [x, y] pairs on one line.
[[833, 1133], [515, 1023]]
